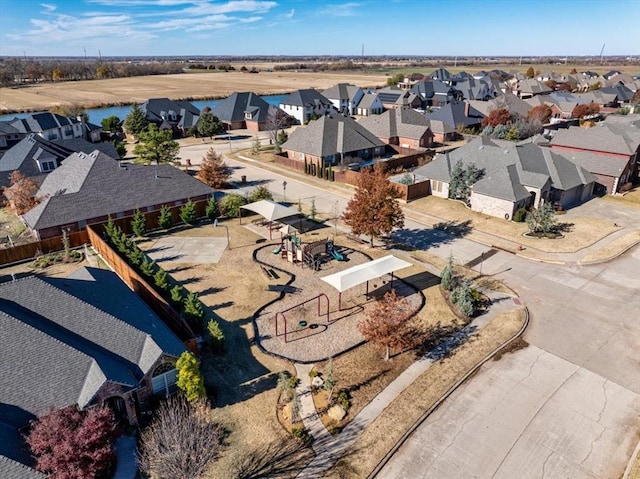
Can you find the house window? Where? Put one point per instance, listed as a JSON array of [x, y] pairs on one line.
[[436, 186], [164, 379], [47, 166], [68, 131], [301, 155]]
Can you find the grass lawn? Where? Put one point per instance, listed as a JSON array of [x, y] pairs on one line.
[[631, 198], [615, 247], [579, 232], [11, 226], [402, 413]]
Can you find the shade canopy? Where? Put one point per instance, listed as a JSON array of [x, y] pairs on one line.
[[365, 272], [288, 229], [271, 210]]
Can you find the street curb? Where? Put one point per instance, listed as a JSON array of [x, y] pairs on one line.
[[634, 457], [446, 395], [610, 258]]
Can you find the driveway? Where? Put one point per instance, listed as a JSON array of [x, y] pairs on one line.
[[567, 406]]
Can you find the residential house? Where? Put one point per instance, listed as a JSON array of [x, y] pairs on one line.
[[389, 96], [51, 126], [370, 104], [87, 188], [530, 87], [436, 93], [34, 156], [177, 116], [409, 100], [473, 89], [333, 139], [9, 135], [246, 110], [611, 141], [344, 97], [83, 340], [403, 127], [514, 176], [305, 105], [446, 77], [454, 115], [514, 105], [410, 80]]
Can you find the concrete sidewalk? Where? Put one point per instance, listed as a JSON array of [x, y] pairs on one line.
[[330, 448]]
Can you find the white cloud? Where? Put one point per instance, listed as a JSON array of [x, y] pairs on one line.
[[291, 13], [341, 9], [48, 7]]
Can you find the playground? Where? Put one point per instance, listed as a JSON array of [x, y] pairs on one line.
[[316, 316]]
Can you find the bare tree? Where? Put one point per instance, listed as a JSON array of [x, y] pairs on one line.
[[181, 441], [277, 120]]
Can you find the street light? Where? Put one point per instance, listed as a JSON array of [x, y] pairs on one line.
[[215, 225], [284, 189]]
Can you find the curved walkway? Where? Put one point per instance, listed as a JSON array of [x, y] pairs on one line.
[[330, 448]]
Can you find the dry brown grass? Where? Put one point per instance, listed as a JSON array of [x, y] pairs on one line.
[[630, 199], [635, 470], [616, 247], [388, 428], [582, 232], [92, 93]]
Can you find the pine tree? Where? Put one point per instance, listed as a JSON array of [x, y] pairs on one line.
[[447, 277], [216, 336], [136, 121], [177, 295], [193, 307], [147, 267], [139, 223], [211, 210], [161, 278], [110, 228], [188, 213], [156, 146], [136, 256], [190, 379], [165, 220]]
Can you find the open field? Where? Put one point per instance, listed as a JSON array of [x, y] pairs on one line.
[[95, 93]]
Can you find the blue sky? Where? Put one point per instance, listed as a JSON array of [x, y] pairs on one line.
[[318, 27]]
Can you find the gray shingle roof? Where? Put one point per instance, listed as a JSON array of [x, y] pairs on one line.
[[7, 129], [605, 137], [233, 108], [596, 164], [341, 91], [94, 185], [186, 114], [366, 102], [59, 347], [511, 102], [509, 168], [15, 458], [453, 114], [399, 122], [39, 122], [307, 97], [331, 134]]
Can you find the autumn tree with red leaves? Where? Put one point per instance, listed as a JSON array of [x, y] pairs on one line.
[[387, 324], [582, 110], [374, 209], [499, 116], [213, 170], [72, 444], [540, 113], [21, 193]]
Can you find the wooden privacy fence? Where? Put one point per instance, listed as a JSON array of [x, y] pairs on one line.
[[141, 287], [49, 245]]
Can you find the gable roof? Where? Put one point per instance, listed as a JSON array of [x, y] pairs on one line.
[[306, 97], [532, 86], [341, 91], [389, 94], [92, 185], [454, 114], [508, 168], [606, 137], [234, 107], [367, 101], [513, 103], [157, 110], [329, 135], [59, 347], [7, 129], [398, 122], [39, 122]]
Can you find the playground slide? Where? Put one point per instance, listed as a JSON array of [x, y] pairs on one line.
[[277, 250], [337, 256]]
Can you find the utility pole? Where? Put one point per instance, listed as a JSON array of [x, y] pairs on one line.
[[601, 52]]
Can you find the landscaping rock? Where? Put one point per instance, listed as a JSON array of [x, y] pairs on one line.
[[286, 411], [317, 382], [336, 412]]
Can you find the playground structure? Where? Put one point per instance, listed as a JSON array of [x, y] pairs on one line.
[[304, 321], [311, 255]]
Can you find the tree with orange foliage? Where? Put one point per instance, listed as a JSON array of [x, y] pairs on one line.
[[530, 73], [387, 324], [499, 116], [21, 193], [540, 113], [374, 209], [213, 170], [582, 110]]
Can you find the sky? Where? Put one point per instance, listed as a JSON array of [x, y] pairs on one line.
[[319, 27]]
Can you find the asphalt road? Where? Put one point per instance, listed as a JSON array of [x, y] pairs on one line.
[[567, 406]]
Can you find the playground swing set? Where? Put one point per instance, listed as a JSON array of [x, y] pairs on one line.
[[303, 322], [308, 254]]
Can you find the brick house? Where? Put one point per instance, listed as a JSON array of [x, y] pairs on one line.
[[87, 188], [83, 340], [403, 127], [246, 110]]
